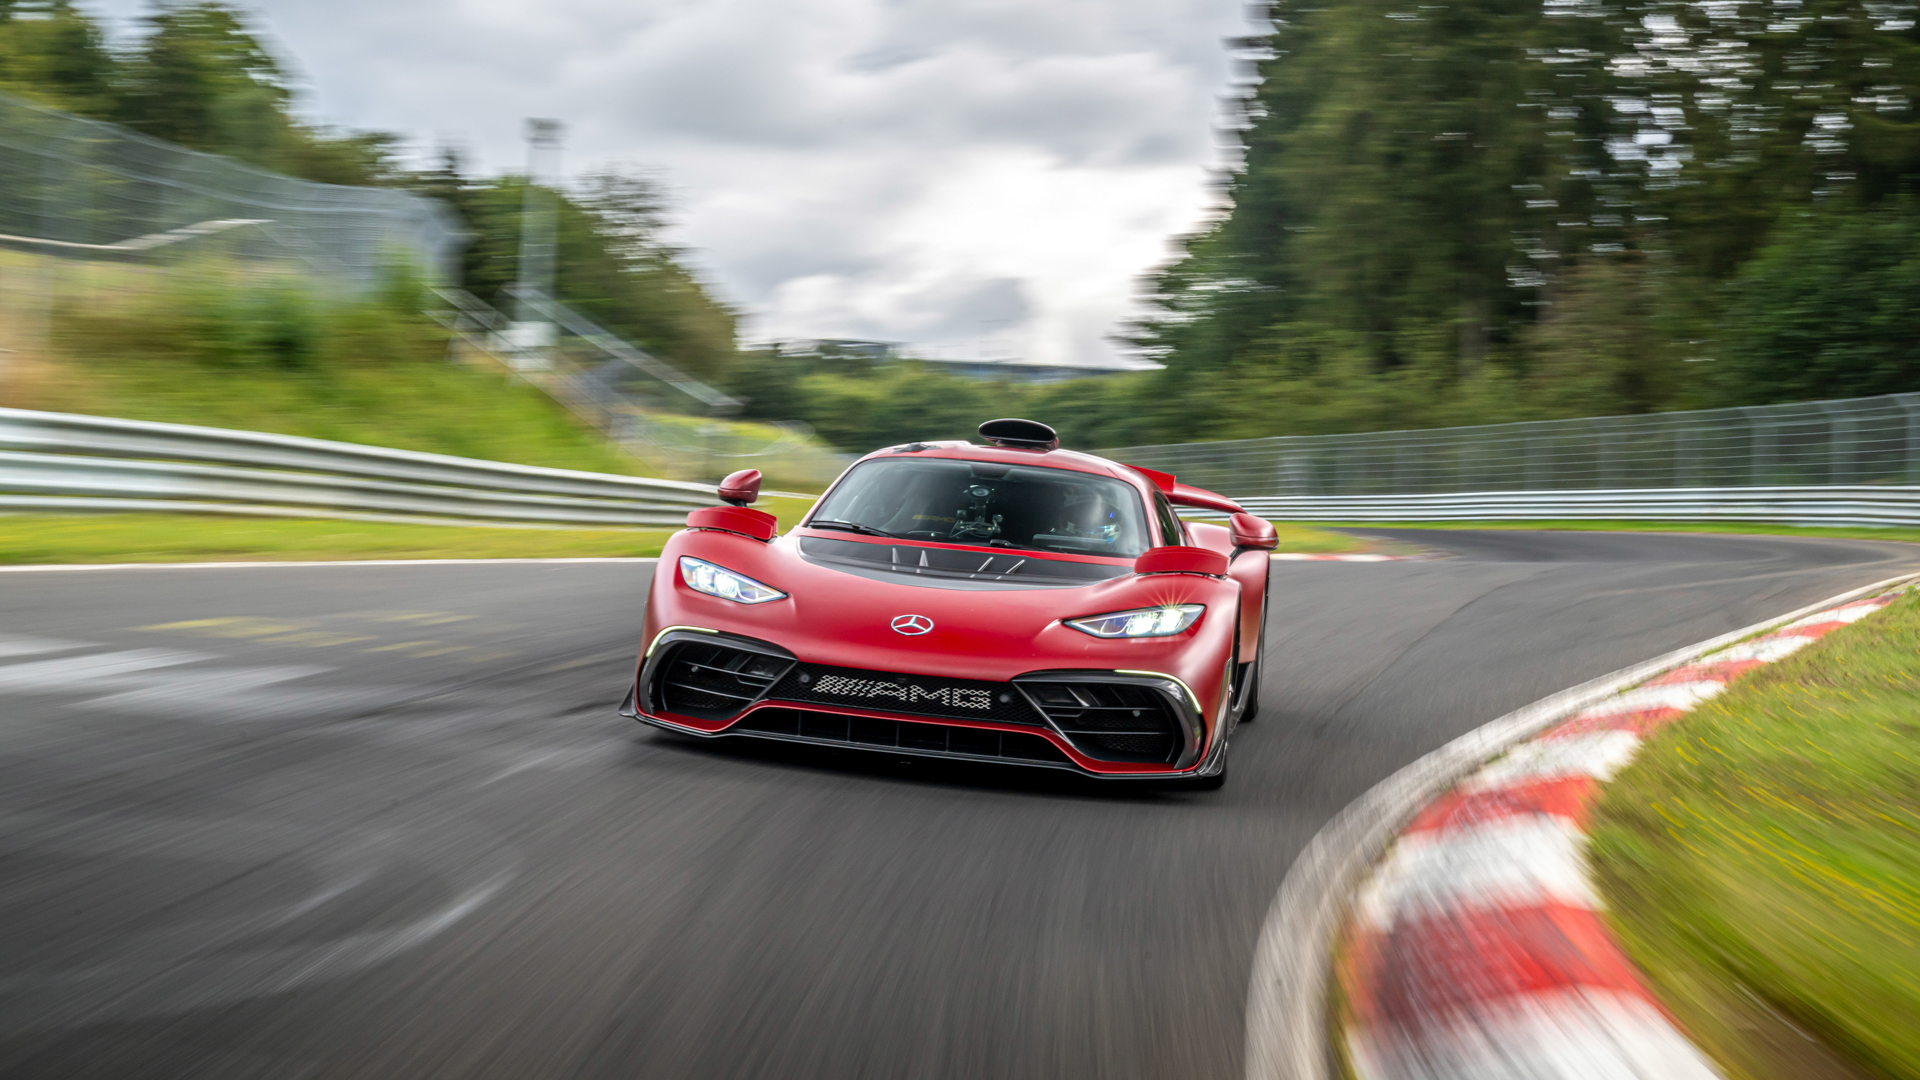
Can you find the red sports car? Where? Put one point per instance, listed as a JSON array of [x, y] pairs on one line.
[[1012, 603]]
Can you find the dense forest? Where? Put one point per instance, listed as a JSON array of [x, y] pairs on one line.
[[1507, 209], [200, 75]]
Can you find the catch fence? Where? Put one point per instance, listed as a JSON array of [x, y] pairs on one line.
[[73, 188], [1874, 440]]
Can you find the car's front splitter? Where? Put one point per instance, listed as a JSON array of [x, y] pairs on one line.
[[1068, 758]]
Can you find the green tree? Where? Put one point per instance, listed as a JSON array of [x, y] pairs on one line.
[[1826, 310], [201, 78], [611, 264], [53, 53], [1505, 209]]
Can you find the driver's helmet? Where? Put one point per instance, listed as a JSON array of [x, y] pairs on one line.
[[1086, 515]]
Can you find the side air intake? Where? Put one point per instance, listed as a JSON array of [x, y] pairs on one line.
[[712, 681], [1110, 721]]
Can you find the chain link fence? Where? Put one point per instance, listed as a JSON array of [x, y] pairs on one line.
[[1850, 442], [75, 188]]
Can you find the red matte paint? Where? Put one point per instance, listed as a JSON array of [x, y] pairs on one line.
[[1162, 480], [740, 488], [757, 524], [1202, 499], [1181, 560]]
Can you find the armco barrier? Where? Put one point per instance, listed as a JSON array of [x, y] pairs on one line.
[[50, 462], [1854, 505]]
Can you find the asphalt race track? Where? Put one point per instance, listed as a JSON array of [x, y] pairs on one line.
[[381, 821]]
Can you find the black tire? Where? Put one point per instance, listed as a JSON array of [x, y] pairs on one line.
[[1251, 693], [1250, 688]]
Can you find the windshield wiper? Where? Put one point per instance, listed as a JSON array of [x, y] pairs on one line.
[[854, 526]]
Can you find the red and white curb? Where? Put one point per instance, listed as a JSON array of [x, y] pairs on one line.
[[1476, 948]]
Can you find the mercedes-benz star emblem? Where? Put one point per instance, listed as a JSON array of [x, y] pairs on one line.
[[912, 625]]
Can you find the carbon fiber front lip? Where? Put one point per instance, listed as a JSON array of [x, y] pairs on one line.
[[1219, 753]]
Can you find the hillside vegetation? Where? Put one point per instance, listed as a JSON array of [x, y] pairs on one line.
[[204, 345]]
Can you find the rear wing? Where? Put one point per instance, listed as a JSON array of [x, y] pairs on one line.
[[1187, 495]]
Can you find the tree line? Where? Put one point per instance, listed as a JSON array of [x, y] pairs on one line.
[[1516, 209]]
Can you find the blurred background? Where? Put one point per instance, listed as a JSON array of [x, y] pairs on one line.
[[1406, 218]]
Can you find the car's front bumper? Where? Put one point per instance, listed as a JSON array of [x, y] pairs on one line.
[[1098, 723]]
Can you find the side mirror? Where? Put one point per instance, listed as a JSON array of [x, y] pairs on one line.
[[1252, 532], [740, 488]]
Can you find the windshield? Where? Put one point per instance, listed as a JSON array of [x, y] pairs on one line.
[[990, 504]]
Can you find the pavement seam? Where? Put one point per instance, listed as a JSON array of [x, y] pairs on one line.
[[1287, 1025]]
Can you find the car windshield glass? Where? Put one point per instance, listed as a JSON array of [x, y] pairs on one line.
[[987, 503]]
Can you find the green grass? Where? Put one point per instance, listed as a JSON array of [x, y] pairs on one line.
[[1740, 528], [1312, 540], [111, 538], [1761, 860]]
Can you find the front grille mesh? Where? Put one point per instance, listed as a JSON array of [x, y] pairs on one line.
[[713, 682], [924, 695], [948, 740], [1111, 721]]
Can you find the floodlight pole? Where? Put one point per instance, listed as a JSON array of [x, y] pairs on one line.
[[533, 332]]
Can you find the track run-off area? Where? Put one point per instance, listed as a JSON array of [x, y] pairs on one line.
[[382, 821]]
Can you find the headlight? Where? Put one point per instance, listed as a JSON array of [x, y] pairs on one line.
[[703, 576], [1141, 622]]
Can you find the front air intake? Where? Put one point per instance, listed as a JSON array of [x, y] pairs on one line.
[[1110, 721], [711, 681]]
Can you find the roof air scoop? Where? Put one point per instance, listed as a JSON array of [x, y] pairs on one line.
[[1019, 434]]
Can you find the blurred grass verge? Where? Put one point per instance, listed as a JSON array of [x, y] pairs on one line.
[[1731, 528], [1761, 860], [112, 538], [226, 344]]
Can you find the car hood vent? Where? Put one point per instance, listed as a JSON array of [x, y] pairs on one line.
[[954, 568]]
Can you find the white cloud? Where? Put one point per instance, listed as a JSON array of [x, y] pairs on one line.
[[956, 174]]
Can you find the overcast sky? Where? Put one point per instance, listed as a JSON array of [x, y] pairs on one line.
[[966, 175]]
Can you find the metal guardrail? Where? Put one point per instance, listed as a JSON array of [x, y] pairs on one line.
[[1868, 505], [59, 462]]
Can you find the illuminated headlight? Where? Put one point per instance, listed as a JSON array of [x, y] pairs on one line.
[[1143, 622], [702, 576]]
